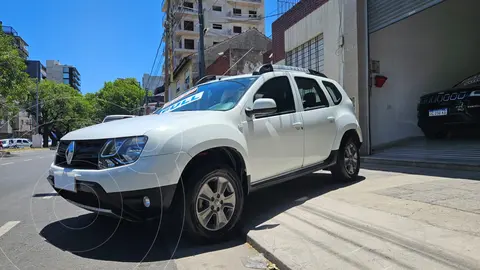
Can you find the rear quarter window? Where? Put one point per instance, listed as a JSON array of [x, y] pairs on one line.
[[333, 91]]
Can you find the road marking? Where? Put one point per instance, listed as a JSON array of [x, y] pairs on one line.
[[28, 159], [7, 227], [40, 157], [6, 163]]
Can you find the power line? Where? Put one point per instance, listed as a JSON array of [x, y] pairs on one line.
[[255, 19]]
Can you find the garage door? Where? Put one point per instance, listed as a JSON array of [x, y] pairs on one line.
[[382, 13], [308, 55]]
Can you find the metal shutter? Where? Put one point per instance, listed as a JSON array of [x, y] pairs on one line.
[[308, 55], [382, 13]]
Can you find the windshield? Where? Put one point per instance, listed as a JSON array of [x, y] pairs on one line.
[[220, 95]]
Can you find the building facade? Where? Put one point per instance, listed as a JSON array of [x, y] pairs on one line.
[[411, 46], [65, 74], [150, 83], [239, 54], [19, 43], [222, 20]]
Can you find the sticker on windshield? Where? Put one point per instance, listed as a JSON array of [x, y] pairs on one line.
[[183, 102]]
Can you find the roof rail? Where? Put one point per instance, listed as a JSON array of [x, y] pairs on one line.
[[269, 68], [209, 78]]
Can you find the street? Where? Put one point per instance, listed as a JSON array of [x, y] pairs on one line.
[[392, 218], [40, 230]]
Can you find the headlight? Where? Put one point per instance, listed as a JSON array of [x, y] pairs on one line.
[[121, 151], [475, 93]]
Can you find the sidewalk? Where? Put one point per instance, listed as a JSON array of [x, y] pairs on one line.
[[408, 219]]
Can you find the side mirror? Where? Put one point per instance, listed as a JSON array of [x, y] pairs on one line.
[[262, 106]]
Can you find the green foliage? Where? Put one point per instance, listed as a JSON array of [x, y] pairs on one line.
[[14, 81], [123, 96]]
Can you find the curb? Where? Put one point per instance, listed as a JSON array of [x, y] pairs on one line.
[[4, 153], [420, 164], [267, 254]]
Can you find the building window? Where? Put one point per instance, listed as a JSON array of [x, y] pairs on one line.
[[178, 86], [189, 44], [237, 29], [237, 11], [188, 5], [308, 55], [188, 25], [217, 26], [65, 69], [66, 81], [66, 75], [217, 8], [252, 13]]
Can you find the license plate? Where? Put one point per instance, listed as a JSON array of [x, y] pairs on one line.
[[65, 180], [439, 112]]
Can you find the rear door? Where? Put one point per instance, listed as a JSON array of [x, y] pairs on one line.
[[318, 120]]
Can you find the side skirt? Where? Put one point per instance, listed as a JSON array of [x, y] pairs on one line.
[[331, 160]]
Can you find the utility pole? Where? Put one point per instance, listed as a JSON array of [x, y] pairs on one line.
[[166, 63], [201, 47]]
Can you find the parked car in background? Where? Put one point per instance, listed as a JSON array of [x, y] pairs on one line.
[[109, 118], [457, 107], [21, 142], [9, 143]]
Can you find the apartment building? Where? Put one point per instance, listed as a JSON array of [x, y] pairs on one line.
[[66, 74], [17, 40], [150, 83], [222, 20]]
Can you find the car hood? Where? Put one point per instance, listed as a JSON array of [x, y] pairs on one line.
[[140, 125]]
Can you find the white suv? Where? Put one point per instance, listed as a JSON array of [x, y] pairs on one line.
[[210, 148]]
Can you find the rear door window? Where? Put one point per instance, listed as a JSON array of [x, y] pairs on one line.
[[311, 94], [333, 91]]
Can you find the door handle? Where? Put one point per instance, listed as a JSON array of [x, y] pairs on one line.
[[298, 125], [331, 119]]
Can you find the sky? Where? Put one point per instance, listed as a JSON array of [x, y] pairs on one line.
[[103, 39]]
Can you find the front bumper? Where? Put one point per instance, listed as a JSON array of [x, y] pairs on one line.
[[127, 204], [119, 191]]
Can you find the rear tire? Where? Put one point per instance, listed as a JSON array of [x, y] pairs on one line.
[[213, 202], [348, 162]]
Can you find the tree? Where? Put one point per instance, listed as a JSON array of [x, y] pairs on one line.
[[14, 81], [61, 110], [123, 96]]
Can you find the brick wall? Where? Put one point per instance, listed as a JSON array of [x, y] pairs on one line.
[[291, 17], [245, 63]]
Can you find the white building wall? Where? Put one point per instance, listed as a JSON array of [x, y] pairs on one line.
[[326, 20], [425, 53]]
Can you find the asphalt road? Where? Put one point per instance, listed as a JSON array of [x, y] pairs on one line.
[[40, 230]]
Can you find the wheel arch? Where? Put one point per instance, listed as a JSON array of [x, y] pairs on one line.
[[348, 131]]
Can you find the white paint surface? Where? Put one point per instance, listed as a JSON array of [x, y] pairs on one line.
[[7, 227]]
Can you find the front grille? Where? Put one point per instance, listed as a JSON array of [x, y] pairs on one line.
[[443, 97], [85, 155]]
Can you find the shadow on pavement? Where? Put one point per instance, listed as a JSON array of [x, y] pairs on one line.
[[104, 238], [459, 174]]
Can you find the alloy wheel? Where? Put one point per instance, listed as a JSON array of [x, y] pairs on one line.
[[351, 158], [215, 203]]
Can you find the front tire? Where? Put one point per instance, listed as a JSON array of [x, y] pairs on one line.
[[214, 203], [348, 162]]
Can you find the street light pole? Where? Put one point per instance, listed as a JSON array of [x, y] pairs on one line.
[[37, 130]]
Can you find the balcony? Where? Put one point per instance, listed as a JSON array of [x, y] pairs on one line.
[[245, 2], [219, 32], [183, 50], [186, 11], [244, 18], [180, 30]]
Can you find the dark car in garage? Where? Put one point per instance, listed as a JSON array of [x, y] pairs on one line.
[[451, 109]]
